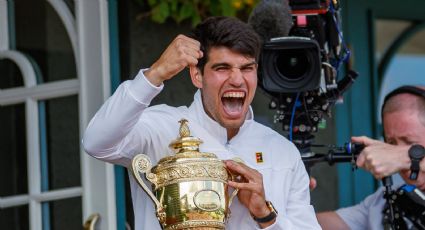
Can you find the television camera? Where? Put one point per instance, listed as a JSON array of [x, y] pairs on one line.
[[299, 71]]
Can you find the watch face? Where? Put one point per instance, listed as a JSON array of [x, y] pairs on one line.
[[417, 152]]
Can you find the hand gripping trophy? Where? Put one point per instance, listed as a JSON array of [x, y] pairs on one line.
[[189, 189]]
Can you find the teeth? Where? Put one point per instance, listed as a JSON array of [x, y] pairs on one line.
[[234, 94]]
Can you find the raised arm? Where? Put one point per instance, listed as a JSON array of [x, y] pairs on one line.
[[109, 134]]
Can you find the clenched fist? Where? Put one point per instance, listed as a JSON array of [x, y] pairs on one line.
[[180, 53]]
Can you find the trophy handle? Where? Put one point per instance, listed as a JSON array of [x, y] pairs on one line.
[[234, 193], [233, 177], [142, 164]]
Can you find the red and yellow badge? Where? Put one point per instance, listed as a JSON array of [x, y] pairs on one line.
[[259, 157]]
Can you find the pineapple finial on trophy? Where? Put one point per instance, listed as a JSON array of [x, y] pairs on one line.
[[184, 130], [185, 142]]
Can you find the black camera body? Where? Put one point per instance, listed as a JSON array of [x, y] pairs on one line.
[[300, 70], [294, 63]]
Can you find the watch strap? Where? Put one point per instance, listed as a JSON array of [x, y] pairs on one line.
[[269, 217], [416, 154], [414, 169]]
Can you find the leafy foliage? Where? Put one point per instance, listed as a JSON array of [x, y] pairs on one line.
[[195, 10]]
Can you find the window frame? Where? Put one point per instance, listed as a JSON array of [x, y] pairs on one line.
[[89, 35]]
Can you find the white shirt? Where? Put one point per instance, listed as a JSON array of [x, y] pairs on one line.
[[126, 126], [368, 213]]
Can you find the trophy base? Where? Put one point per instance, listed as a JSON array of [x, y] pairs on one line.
[[196, 225]]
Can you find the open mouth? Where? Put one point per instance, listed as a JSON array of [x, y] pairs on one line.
[[233, 103]]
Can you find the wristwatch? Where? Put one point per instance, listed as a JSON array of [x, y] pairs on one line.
[[416, 154], [269, 217]]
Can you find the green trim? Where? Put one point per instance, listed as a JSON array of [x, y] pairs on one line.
[[376, 128], [114, 44], [115, 81], [120, 197], [44, 164], [355, 116], [342, 116]]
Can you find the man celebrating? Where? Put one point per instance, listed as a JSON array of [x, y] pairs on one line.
[[403, 114], [222, 57]]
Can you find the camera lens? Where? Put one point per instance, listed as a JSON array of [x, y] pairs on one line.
[[290, 64], [293, 64]]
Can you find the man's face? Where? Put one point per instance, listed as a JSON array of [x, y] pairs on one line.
[[228, 87], [404, 128]]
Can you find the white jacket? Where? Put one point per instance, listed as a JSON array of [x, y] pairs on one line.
[[126, 126]]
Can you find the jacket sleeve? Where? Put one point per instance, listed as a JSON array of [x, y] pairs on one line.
[[109, 135], [357, 216]]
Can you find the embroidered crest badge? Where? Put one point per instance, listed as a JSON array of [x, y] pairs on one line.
[[259, 157]]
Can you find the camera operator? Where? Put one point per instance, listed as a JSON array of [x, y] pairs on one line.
[[403, 114]]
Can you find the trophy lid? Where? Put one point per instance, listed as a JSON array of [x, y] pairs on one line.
[[185, 147]]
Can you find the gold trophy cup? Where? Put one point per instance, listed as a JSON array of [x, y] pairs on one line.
[[189, 188]]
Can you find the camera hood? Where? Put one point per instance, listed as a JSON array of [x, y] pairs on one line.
[[290, 64]]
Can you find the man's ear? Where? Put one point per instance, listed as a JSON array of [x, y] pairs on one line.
[[196, 76]]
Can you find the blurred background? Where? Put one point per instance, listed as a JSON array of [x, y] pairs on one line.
[[60, 59]]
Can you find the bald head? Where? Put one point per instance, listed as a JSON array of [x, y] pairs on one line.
[[406, 101]]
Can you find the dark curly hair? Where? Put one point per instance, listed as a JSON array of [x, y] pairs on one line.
[[228, 32]]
